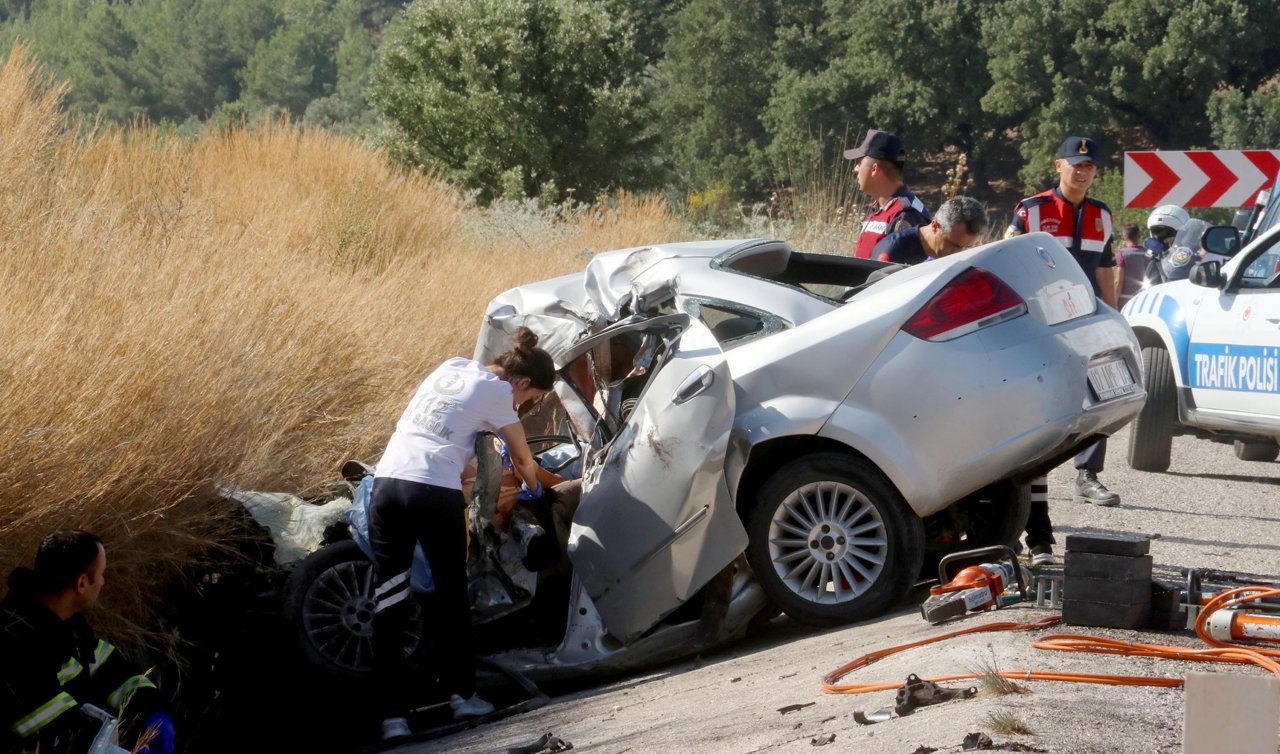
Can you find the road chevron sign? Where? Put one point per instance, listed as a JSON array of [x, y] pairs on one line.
[[1198, 179]]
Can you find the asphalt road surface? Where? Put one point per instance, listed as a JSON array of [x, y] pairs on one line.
[[1209, 511]]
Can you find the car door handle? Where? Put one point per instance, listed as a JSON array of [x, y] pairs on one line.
[[693, 385]]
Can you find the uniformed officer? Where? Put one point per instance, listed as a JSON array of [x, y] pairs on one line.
[[1083, 225], [878, 164], [53, 667]]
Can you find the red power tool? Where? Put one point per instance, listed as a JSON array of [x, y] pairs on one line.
[[976, 587]]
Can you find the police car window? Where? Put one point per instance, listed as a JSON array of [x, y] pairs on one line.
[[1263, 271]]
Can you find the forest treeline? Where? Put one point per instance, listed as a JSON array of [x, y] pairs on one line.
[[553, 98]]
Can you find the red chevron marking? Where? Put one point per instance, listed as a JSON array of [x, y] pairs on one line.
[[1162, 179]]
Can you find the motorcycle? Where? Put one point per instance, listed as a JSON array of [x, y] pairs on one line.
[[1185, 252]]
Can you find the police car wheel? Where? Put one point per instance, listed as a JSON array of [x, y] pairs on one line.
[[1257, 451], [1151, 438], [328, 603], [832, 541]]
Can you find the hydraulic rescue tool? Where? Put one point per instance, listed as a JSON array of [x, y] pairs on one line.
[[978, 587]]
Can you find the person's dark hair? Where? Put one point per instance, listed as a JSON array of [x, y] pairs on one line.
[[1132, 234], [527, 360], [62, 556]]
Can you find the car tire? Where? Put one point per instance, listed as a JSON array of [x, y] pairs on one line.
[[1257, 451], [328, 604], [1151, 439], [788, 544]]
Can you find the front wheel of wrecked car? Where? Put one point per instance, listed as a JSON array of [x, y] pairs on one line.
[[832, 541], [328, 602]]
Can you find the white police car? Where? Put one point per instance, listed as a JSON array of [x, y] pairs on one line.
[[1211, 353]]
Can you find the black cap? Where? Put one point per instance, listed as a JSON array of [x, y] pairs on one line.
[[880, 145], [1079, 149]]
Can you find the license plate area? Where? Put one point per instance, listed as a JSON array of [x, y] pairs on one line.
[[1111, 379]]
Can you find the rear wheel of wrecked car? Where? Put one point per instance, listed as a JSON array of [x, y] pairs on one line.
[[832, 541], [1151, 439], [1257, 451], [328, 602]]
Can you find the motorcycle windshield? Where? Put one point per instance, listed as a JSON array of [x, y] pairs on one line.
[[1184, 252], [655, 521]]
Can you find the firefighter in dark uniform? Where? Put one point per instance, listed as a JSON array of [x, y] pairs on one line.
[[878, 164], [52, 666], [1083, 225]]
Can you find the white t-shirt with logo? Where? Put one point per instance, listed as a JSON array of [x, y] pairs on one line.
[[435, 438]]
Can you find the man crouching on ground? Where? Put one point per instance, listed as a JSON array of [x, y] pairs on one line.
[[52, 665]]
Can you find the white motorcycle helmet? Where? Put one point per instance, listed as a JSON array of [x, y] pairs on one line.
[[1166, 220]]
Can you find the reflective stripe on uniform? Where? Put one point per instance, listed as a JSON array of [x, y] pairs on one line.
[[43, 715], [393, 592], [1089, 244], [100, 655], [70, 669], [1040, 489], [390, 584], [121, 695], [875, 226], [391, 600]]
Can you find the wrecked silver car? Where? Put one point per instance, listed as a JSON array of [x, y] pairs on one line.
[[753, 428]]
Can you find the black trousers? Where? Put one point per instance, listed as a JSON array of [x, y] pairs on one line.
[[1039, 527], [1092, 457], [401, 514]]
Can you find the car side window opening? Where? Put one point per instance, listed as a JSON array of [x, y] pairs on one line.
[[730, 323], [1264, 270], [726, 323], [610, 378]]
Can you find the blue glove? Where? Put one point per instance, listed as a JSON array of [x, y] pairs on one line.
[[528, 495], [506, 457], [159, 734]]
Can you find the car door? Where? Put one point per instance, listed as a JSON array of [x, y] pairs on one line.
[[655, 521], [1233, 361]]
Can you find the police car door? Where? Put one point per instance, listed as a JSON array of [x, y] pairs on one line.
[[655, 521], [1233, 362]]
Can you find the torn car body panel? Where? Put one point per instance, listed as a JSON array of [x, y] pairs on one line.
[[655, 508]]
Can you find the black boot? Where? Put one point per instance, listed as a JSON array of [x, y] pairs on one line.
[[1090, 490]]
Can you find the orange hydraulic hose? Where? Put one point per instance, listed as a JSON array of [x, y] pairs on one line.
[[1219, 651]]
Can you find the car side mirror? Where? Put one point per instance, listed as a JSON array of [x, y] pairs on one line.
[[1221, 239], [1207, 275]]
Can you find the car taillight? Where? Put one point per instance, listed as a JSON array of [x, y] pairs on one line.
[[975, 299]]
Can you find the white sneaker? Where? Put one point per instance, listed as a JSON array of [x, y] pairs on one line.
[[1042, 555], [473, 707], [395, 727]]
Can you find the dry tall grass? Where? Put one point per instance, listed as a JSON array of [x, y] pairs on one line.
[[250, 307]]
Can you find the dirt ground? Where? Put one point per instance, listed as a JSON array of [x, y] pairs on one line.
[[1211, 511]]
